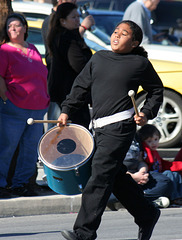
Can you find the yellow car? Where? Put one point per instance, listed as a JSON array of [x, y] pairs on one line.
[[169, 118]]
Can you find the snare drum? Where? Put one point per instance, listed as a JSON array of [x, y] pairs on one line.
[[66, 153]]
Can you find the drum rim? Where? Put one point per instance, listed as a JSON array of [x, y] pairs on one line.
[[53, 167]]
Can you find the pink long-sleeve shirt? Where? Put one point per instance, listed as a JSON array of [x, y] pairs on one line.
[[25, 76]]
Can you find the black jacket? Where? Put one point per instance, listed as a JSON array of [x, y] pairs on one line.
[[70, 55], [109, 76]]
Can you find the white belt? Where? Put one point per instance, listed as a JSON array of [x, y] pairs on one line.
[[117, 117]]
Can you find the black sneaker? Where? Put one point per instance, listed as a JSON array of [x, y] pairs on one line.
[[41, 190], [5, 193], [69, 235], [146, 231], [24, 191]]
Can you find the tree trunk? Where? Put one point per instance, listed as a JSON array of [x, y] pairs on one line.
[[5, 9]]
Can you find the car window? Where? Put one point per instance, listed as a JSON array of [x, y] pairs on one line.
[[107, 23], [35, 37], [167, 13], [94, 46], [104, 37], [38, 16], [99, 34], [103, 5], [120, 5]]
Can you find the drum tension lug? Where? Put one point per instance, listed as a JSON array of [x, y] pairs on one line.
[[80, 187], [77, 172], [44, 178]]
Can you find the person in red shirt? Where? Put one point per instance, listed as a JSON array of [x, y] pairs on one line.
[[150, 137], [23, 94]]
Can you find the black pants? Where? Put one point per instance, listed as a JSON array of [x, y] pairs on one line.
[[109, 175]]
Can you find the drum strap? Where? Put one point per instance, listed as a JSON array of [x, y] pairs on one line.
[[117, 117]]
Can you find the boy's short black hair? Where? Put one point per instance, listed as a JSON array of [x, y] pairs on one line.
[[147, 131], [137, 33]]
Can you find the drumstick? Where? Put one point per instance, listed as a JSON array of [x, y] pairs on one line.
[[31, 121], [131, 93]]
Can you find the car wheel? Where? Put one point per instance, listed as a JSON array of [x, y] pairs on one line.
[[169, 118]]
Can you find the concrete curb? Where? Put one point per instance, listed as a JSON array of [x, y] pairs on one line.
[[52, 204], [26, 206], [48, 203]]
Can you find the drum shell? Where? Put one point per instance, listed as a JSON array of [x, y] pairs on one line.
[[69, 180]]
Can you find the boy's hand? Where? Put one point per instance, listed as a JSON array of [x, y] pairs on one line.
[[140, 120], [63, 119]]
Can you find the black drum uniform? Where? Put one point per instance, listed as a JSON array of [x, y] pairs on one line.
[[109, 76]]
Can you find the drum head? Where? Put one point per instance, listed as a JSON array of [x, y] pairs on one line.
[[66, 147]]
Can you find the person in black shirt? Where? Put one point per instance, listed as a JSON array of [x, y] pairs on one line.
[[86, 24], [54, 108], [109, 75], [69, 54]]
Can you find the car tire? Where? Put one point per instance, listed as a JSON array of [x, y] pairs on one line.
[[169, 118]]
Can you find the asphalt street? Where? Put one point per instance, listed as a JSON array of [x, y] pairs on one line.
[[117, 225]]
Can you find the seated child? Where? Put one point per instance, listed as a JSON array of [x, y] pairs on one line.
[[156, 186], [150, 136]]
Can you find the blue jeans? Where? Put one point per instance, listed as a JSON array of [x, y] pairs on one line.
[[176, 180], [53, 113], [14, 130], [158, 185]]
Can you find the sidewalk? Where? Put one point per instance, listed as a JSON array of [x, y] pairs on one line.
[[48, 203]]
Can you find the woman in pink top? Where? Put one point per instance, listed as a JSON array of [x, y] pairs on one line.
[[23, 95]]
